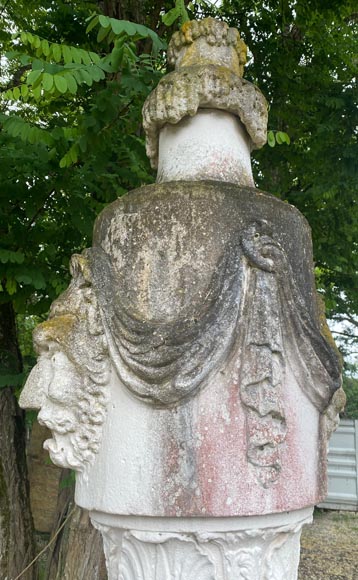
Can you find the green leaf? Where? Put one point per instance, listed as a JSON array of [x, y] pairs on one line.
[[92, 24], [37, 64], [57, 53], [45, 47], [271, 139], [84, 76], [53, 68], [117, 26], [104, 21], [60, 83], [85, 57], [95, 57], [39, 281], [129, 27], [24, 90], [131, 56], [23, 278], [117, 57], [279, 139], [33, 76], [66, 51], [96, 73], [8, 95], [71, 83], [73, 153], [25, 131], [143, 30], [111, 37], [16, 93], [76, 55], [47, 81], [63, 161], [36, 42], [83, 143], [102, 33], [11, 286], [286, 138], [25, 59], [36, 92], [10, 256], [170, 17]]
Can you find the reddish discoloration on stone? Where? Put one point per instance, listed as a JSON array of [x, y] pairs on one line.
[[221, 464], [224, 482]]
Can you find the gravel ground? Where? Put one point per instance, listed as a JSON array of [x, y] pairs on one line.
[[329, 547]]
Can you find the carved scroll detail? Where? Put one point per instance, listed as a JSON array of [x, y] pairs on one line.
[[263, 368], [277, 333]]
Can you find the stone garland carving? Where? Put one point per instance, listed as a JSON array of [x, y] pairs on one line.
[[257, 554], [69, 382], [166, 362], [275, 322]]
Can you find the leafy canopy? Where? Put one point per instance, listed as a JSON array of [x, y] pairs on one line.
[[73, 82]]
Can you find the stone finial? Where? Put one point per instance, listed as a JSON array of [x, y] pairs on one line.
[[208, 41], [209, 58]]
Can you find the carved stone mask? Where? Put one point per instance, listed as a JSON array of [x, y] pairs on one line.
[[69, 382]]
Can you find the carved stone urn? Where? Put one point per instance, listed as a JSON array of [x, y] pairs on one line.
[[187, 373]]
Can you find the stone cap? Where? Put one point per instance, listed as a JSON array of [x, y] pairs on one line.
[[208, 58], [207, 41]]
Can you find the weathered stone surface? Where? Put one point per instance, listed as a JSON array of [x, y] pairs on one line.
[[183, 93], [68, 384], [202, 295], [259, 548], [207, 41], [208, 306], [217, 147], [209, 58]]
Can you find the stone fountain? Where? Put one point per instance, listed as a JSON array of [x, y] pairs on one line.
[[187, 373]]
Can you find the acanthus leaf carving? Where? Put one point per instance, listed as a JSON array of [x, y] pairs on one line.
[[253, 554]]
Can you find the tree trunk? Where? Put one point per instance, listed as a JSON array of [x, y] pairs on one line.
[[125, 9], [16, 530], [77, 552]]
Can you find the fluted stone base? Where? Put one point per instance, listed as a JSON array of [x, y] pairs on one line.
[[248, 548]]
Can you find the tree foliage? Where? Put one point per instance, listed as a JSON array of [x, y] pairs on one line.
[[74, 80], [304, 58]]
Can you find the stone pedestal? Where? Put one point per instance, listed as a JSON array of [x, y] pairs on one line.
[[187, 373], [256, 548]]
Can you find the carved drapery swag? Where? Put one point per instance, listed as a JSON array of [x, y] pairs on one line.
[[252, 307]]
